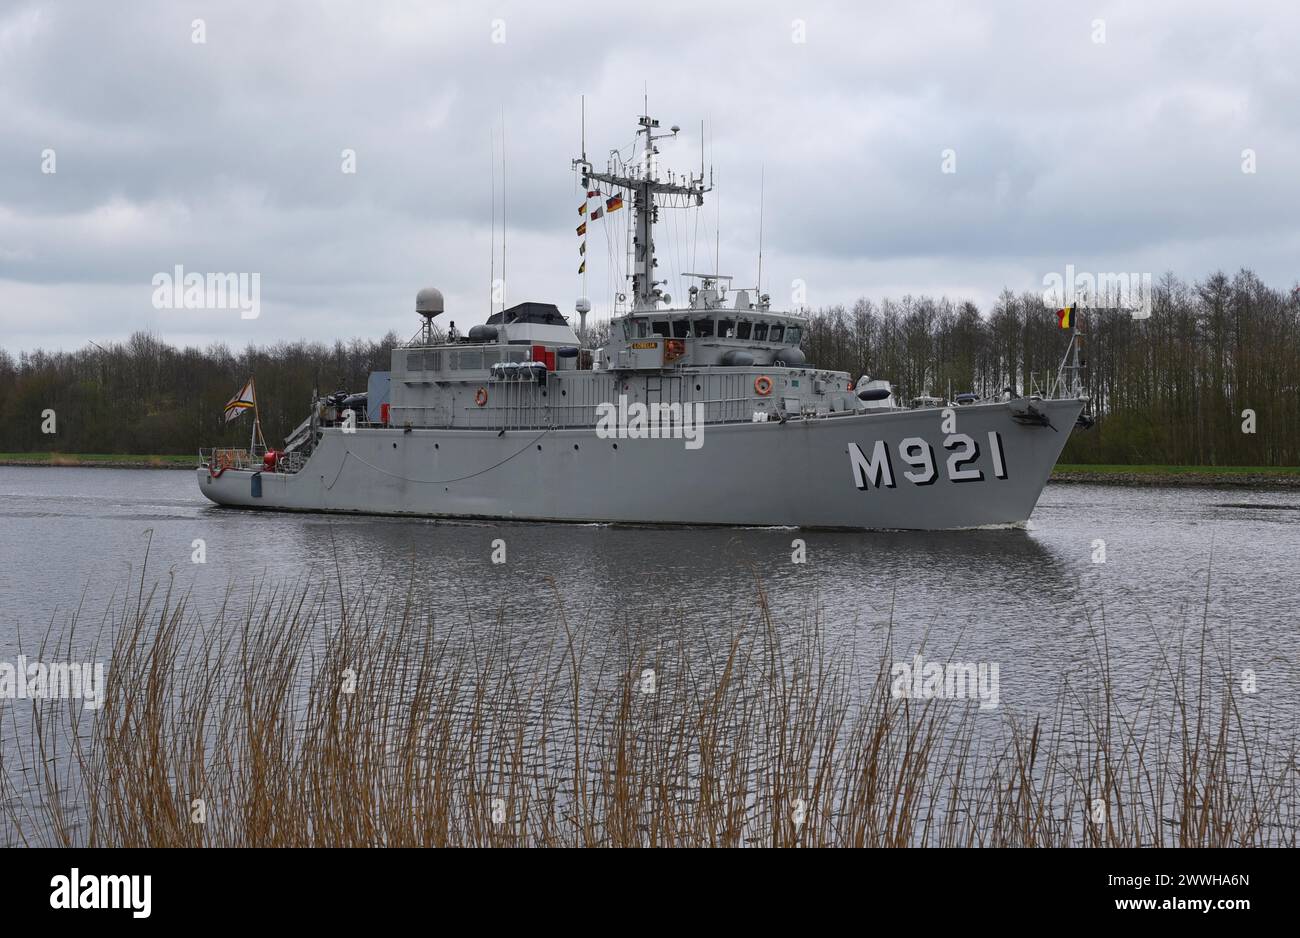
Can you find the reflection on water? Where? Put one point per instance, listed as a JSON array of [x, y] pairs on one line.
[[1037, 603], [1032, 600]]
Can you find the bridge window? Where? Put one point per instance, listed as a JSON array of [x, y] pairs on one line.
[[774, 334], [635, 328], [704, 328], [792, 335], [727, 328], [742, 329], [760, 332], [681, 328], [471, 359], [660, 327]]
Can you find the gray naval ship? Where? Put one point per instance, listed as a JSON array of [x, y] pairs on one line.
[[703, 413]]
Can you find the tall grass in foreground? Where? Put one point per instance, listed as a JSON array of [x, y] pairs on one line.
[[308, 716]]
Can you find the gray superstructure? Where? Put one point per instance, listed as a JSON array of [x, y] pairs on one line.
[[704, 413]]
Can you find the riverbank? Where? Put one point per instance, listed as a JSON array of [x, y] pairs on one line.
[[100, 460], [1225, 476]]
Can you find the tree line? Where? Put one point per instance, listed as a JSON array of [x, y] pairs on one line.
[[148, 397], [1213, 359]]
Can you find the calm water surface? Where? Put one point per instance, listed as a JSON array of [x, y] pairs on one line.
[[1024, 598], [1031, 600]]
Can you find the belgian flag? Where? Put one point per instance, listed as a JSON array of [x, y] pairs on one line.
[[582, 229], [613, 203], [1065, 317]]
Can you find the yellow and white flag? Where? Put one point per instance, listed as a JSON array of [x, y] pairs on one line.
[[246, 399]]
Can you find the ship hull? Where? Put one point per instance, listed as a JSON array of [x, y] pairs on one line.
[[898, 469]]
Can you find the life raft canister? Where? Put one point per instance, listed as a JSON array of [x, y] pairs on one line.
[[763, 385], [480, 396]]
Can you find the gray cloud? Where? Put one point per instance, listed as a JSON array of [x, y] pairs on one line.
[[225, 156]]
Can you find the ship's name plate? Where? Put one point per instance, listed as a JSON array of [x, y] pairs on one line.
[[962, 464], [645, 345]]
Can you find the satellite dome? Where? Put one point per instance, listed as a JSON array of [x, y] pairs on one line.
[[583, 305], [428, 302]]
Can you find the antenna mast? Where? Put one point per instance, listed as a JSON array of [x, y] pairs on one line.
[[762, 185], [492, 248], [503, 207], [644, 187]]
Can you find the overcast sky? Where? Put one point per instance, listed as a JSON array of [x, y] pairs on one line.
[[227, 155]]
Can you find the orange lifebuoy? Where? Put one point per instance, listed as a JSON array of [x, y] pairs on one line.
[[480, 396], [763, 385]]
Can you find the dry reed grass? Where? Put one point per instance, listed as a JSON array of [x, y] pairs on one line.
[[483, 734]]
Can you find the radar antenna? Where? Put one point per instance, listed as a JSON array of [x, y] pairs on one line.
[[644, 186]]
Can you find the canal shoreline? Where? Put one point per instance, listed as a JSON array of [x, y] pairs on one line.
[[97, 461], [1248, 477]]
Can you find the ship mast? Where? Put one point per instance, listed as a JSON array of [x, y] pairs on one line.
[[643, 185]]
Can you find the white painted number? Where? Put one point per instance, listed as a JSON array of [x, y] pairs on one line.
[[968, 453], [877, 470], [920, 456]]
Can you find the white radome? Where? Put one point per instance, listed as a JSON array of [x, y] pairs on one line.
[[429, 302]]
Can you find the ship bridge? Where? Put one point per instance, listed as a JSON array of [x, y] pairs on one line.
[[702, 337], [713, 330]]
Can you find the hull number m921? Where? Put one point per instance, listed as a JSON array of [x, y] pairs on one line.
[[963, 453]]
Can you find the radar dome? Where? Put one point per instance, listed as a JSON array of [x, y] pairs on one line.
[[428, 302], [583, 305]]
